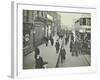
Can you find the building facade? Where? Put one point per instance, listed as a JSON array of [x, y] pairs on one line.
[[34, 23], [36, 26], [56, 22]]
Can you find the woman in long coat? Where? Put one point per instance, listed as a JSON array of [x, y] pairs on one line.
[[38, 59], [62, 54], [52, 41]]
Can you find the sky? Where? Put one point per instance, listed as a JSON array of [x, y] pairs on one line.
[[67, 19]]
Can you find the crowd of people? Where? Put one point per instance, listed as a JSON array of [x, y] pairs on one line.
[[39, 63], [75, 46]]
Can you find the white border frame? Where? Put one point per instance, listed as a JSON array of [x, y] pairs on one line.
[[17, 70]]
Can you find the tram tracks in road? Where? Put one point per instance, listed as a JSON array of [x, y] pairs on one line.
[[88, 62]]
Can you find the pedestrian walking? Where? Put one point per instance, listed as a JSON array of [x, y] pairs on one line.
[[72, 37], [71, 43], [46, 41], [76, 47], [37, 52], [62, 54], [57, 45], [79, 47], [39, 63], [73, 48], [52, 41], [66, 39]]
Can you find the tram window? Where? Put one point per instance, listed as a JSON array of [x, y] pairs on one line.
[[84, 21], [81, 21]]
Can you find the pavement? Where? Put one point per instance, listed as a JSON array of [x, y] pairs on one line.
[[49, 54]]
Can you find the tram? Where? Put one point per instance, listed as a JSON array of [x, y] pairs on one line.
[[83, 32]]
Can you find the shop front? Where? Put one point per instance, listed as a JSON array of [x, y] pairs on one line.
[[27, 38]]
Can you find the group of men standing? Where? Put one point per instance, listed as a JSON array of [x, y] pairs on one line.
[[75, 46]]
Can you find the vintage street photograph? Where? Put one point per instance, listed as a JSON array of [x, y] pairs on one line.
[[55, 39]]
